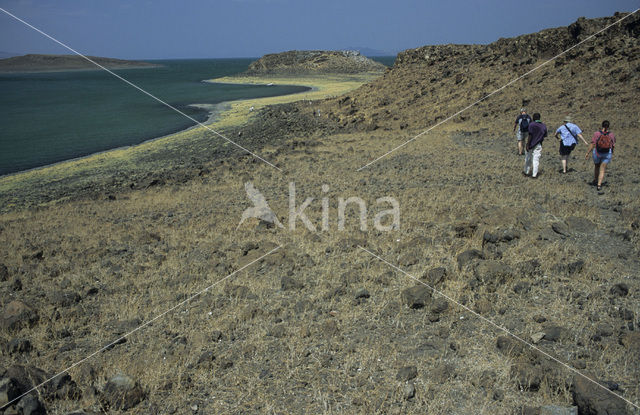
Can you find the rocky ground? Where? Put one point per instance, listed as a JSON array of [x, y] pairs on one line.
[[320, 325]]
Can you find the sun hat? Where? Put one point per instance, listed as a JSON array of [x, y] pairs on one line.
[[567, 118]]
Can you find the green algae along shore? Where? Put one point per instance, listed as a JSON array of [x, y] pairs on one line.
[[107, 171]]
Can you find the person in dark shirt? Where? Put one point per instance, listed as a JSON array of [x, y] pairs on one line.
[[521, 128], [537, 133]]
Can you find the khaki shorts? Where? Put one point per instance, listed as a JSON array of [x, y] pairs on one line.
[[522, 135]]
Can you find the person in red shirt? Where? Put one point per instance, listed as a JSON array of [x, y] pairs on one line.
[[601, 148]]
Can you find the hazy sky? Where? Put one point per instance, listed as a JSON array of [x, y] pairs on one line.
[[249, 28]]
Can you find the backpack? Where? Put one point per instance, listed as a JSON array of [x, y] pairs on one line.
[[524, 123], [604, 143]]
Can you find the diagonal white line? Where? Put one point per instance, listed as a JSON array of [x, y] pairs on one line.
[[143, 325], [496, 91], [140, 89], [490, 322]]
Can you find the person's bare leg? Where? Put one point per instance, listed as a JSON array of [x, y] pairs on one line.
[[520, 147], [564, 164], [603, 167], [596, 172]]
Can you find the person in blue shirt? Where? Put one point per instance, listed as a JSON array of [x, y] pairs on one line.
[[568, 134]]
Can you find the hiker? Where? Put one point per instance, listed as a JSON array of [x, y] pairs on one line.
[[522, 127], [602, 144], [533, 150], [568, 134]]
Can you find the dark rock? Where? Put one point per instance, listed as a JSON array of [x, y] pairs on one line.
[[16, 285], [63, 298], [4, 272], [604, 330], [510, 346], [538, 318], [216, 335], [409, 258], [409, 391], [416, 297], [465, 230], [121, 393], [631, 342], [492, 273], [469, 256], [289, 283], [239, 291], [558, 410], [553, 333], [17, 315], [30, 405], [362, 294], [10, 389], [435, 276], [522, 287], [529, 268], [439, 306], [592, 399], [620, 290], [527, 376], [580, 225], [19, 346], [560, 228], [63, 387], [407, 373]]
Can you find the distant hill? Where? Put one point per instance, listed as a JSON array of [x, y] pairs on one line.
[[45, 63], [314, 62]]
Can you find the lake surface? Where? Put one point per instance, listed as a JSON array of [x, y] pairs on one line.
[[55, 116]]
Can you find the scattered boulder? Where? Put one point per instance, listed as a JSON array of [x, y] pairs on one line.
[[439, 306], [362, 294], [4, 272], [63, 298], [121, 393], [18, 346], [560, 228], [558, 410], [604, 330], [467, 257], [289, 283], [409, 391], [17, 315], [492, 273], [509, 346], [435, 276], [416, 297], [553, 333], [406, 373], [592, 399], [521, 287], [10, 389], [527, 376], [631, 342], [621, 289], [580, 225], [409, 258], [30, 405]]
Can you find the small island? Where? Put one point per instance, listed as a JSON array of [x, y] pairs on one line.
[[51, 63], [305, 62]]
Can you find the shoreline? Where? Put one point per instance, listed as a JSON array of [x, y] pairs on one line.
[[69, 178]]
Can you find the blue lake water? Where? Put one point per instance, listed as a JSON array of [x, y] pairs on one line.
[[55, 116]]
